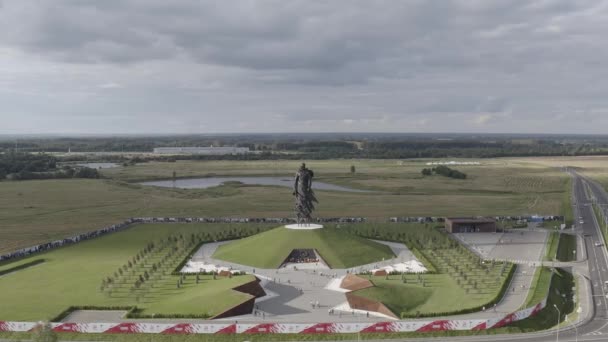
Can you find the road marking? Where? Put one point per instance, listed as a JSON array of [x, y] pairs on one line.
[[597, 229], [595, 333]]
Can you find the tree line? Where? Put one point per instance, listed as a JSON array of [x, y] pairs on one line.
[[23, 166], [323, 146], [444, 171]]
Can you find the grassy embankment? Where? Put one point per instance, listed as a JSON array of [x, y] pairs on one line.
[[566, 250], [540, 286], [459, 282], [338, 248], [600, 220], [561, 295], [551, 246]]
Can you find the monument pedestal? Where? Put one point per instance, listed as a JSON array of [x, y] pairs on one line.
[[304, 226]]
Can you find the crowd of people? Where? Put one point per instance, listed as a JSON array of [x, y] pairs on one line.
[[299, 256], [431, 219], [278, 220], [67, 241]]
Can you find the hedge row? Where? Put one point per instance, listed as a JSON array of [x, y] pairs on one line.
[[137, 314], [132, 312], [495, 300], [65, 313], [22, 266]]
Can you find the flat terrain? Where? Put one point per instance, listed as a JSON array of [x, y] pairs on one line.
[[38, 211], [595, 167], [71, 276], [338, 248]]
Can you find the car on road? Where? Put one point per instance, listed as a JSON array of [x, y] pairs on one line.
[[581, 221], [598, 244]]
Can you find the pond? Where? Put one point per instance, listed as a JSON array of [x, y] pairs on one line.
[[208, 182]]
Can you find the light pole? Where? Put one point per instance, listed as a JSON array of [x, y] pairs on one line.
[[558, 317], [575, 329]]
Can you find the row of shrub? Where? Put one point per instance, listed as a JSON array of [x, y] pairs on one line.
[[22, 266], [444, 171], [495, 300], [137, 313], [65, 313], [132, 312]]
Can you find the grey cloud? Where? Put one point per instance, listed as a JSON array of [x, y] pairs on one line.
[[375, 64]]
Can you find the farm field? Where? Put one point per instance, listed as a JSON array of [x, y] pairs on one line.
[[41, 210], [72, 276], [338, 248], [595, 167]]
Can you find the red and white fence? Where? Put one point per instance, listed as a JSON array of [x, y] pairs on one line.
[[280, 328]]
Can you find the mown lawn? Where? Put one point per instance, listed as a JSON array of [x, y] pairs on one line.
[[567, 244], [71, 276], [551, 246], [439, 294], [338, 248]]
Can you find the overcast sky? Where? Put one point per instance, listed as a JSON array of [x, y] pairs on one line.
[[177, 66]]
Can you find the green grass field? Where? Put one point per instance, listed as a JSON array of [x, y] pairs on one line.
[[459, 281], [38, 211], [566, 250], [337, 247], [71, 276], [435, 293], [551, 246], [398, 296]]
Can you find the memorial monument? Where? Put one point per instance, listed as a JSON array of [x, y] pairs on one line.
[[304, 199]]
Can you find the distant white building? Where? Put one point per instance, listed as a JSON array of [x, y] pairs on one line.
[[223, 150], [453, 163]]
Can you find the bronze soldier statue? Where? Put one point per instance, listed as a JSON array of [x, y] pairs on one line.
[[305, 197]]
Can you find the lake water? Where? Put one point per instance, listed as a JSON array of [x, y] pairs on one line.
[[99, 165], [207, 182]]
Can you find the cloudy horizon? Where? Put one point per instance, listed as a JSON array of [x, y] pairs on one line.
[[211, 67]]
